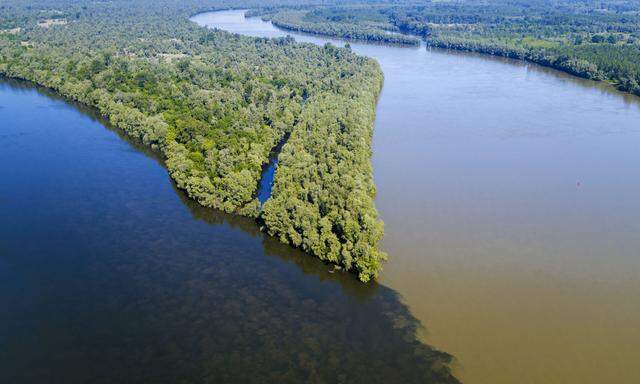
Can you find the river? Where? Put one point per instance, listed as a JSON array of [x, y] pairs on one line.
[[109, 274], [509, 193]]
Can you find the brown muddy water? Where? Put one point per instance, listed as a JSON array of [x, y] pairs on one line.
[[510, 195]]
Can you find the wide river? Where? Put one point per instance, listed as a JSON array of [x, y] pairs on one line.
[[510, 196], [511, 200], [108, 274]]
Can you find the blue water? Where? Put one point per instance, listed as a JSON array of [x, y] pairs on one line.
[[109, 274], [266, 181]]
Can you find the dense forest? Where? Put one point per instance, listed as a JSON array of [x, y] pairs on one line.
[[333, 22], [214, 105], [598, 40]]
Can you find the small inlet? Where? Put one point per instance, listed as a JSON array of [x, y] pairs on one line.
[[265, 184]]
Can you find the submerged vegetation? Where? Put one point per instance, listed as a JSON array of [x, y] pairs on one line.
[[594, 40], [215, 104]]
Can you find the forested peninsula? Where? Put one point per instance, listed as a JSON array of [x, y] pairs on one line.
[[214, 105], [593, 40]]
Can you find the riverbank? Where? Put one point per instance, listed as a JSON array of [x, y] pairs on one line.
[[564, 64], [110, 273], [598, 46], [215, 105], [510, 210]]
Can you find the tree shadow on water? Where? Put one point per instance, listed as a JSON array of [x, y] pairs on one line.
[[179, 293], [327, 326]]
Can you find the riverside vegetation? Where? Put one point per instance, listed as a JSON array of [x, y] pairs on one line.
[[332, 22], [214, 105], [594, 40]]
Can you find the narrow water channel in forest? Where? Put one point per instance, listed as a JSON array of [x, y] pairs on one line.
[[268, 172], [109, 274], [509, 193]]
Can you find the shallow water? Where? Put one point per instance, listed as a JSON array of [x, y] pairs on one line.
[[108, 274], [510, 198]]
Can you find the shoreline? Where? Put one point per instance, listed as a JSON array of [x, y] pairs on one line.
[[494, 51]]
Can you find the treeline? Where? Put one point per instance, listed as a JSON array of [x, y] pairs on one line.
[[303, 21], [318, 202], [618, 65], [215, 104], [594, 40]]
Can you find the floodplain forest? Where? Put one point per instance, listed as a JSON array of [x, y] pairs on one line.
[[215, 105], [594, 40]]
